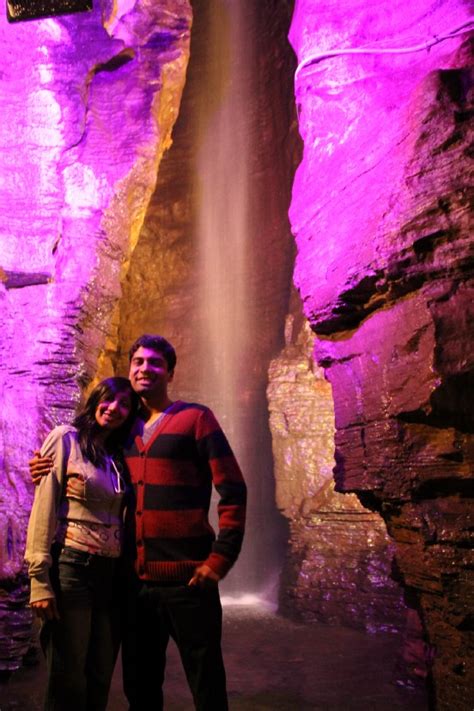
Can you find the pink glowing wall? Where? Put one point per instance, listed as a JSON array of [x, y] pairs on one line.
[[382, 214], [359, 117], [88, 103]]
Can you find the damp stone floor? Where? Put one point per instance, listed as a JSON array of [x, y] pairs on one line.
[[273, 664]]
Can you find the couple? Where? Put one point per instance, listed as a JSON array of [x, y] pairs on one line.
[[132, 449]]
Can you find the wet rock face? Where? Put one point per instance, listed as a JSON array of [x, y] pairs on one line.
[[339, 559], [381, 214], [88, 104]]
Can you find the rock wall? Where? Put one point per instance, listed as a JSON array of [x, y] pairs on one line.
[[338, 564], [88, 104], [384, 270], [380, 212]]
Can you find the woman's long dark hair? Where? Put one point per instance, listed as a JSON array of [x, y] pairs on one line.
[[91, 442]]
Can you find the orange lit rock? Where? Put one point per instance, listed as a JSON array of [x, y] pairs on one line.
[[339, 560]]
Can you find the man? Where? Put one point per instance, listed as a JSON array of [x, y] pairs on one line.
[[176, 453]]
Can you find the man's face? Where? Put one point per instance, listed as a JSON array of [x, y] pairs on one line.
[[149, 373]]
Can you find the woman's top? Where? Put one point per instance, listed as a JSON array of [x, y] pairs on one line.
[[78, 504]]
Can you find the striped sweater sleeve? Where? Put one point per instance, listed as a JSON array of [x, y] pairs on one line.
[[214, 449]]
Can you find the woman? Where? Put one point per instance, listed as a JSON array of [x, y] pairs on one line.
[[73, 543]]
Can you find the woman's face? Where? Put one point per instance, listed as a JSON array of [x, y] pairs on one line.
[[112, 412]]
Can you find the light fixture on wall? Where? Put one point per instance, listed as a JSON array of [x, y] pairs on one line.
[[18, 10]]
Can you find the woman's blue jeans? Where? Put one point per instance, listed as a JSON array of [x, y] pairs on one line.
[[81, 647]]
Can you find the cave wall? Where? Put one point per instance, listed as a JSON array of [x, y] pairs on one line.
[[380, 217], [88, 103], [338, 564], [380, 212]]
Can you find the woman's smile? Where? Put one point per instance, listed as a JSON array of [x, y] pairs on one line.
[[112, 414]]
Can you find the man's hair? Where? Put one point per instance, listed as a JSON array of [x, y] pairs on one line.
[[155, 343]]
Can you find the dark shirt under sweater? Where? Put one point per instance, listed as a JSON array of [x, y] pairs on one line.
[[172, 476]]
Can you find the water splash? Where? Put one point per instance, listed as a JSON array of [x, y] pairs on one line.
[[248, 600]]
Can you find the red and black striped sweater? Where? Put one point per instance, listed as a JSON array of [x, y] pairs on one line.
[[172, 477]]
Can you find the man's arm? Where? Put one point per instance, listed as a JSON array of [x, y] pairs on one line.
[[227, 478]]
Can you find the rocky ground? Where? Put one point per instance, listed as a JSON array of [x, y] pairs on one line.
[[274, 664]]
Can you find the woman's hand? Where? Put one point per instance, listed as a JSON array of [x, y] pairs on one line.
[[39, 467], [46, 609]]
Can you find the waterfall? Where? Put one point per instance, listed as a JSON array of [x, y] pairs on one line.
[[243, 259], [223, 175], [230, 378]]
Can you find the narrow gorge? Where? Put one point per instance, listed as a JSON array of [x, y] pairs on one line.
[[284, 191]]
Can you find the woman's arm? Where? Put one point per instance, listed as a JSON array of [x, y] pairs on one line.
[[43, 522]]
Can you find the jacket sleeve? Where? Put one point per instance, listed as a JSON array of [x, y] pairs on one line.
[[228, 481], [43, 517]]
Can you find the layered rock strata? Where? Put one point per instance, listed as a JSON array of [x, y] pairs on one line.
[[88, 104], [339, 559], [381, 216]]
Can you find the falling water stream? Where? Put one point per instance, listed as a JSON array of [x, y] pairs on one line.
[[212, 269], [227, 278], [223, 219]]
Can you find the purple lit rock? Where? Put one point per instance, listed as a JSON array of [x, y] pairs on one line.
[[88, 104], [380, 212]]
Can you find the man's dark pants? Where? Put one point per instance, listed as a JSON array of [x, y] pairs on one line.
[[192, 616]]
